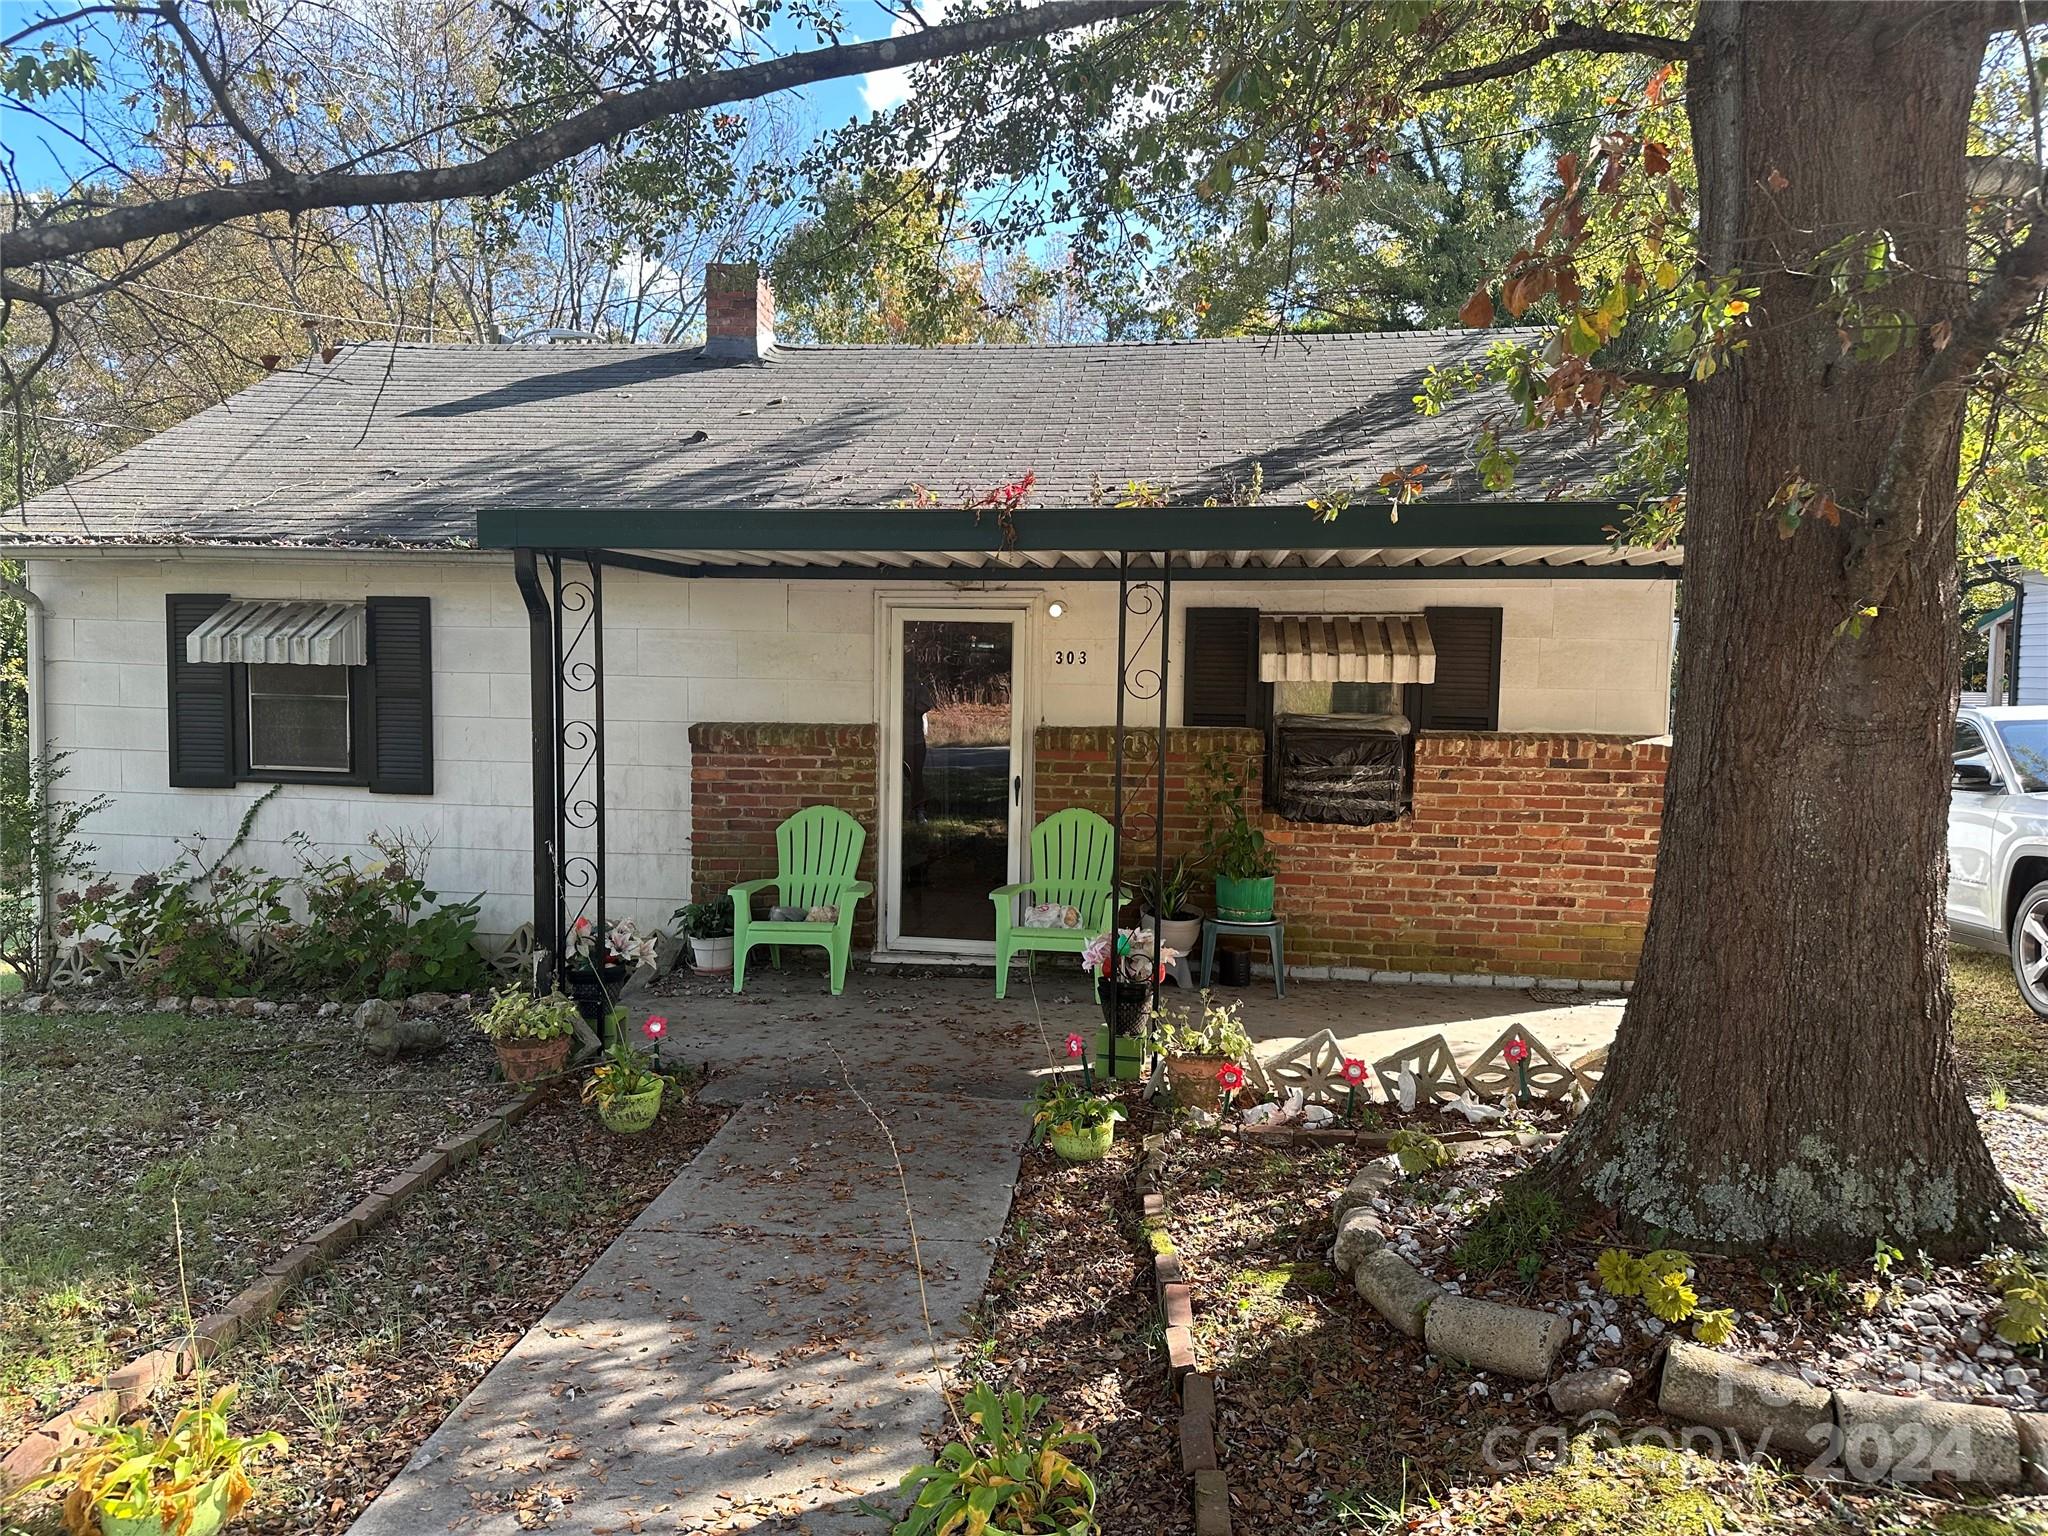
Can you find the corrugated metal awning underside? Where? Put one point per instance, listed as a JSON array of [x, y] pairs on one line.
[[1028, 562], [1341, 648], [282, 633]]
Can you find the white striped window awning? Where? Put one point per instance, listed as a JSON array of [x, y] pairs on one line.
[[283, 633], [1345, 648]]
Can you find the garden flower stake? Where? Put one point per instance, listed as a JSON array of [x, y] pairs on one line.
[[1517, 1052], [1355, 1074], [1076, 1046], [1230, 1076]]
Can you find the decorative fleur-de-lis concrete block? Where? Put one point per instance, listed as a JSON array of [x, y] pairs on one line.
[[1437, 1078], [516, 958], [1315, 1066], [1493, 1073], [1590, 1068]]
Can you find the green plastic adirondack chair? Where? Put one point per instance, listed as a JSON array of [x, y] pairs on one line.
[[816, 853], [1071, 863]]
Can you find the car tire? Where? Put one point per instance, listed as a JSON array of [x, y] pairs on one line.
[[2030, 948]]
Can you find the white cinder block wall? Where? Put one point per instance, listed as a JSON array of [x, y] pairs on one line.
[[1576, 656]]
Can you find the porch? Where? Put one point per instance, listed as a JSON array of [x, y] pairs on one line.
[[1011, 670], [785, 1032]]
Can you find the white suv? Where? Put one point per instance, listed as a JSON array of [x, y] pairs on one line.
[[1998, 841]]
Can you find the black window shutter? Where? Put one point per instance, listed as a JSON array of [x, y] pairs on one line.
[[1220, 679], [202, 699], [1466, 693], [401, 678]]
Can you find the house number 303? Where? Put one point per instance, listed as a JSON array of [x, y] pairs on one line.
[[1070, 658]]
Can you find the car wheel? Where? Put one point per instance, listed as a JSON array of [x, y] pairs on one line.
[[2030, 948]]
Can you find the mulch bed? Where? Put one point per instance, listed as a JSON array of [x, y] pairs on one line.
[[1070, 1314], [1330, 1420], [366, 1360]]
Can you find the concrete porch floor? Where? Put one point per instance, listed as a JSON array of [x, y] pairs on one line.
[[969, 1041]]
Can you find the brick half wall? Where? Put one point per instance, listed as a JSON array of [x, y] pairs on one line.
[[747, 779], [1526, 855]]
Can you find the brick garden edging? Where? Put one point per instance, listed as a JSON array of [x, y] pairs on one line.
[[134, 1384], [1195, 1390]]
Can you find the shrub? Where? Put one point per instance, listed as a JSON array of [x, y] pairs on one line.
[[378, 928], [135, 1473], [40, 851], [2023, 1299], [1007, 1474], [1418, 1152]]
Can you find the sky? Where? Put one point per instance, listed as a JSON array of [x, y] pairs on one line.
[[42, 156]]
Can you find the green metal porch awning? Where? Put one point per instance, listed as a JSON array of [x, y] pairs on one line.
[[1368, 538]]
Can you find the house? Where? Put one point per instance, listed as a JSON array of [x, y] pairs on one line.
[[593, 619]]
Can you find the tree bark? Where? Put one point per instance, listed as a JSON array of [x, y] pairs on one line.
[[1785, 1072]]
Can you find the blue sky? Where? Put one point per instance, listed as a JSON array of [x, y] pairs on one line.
[[42, 156]]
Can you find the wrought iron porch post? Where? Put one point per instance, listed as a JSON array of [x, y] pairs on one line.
[[540, 672]]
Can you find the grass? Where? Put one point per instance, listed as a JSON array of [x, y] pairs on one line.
[[365, 1360], [2003, 1043], [252, 1130]]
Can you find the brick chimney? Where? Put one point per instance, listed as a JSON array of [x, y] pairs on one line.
[[739, 312]]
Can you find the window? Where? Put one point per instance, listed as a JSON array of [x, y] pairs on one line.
[[361, 714], [2026, 743], [1341, 752], [299, 719]]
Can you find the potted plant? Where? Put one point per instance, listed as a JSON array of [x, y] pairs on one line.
[[1243, 863], [708, 927], [626, 1086], [1198, 1045], [133, 1481], [601, 962], [1165, 897], [1125, 973], [1076, 1124], [532, 1034]]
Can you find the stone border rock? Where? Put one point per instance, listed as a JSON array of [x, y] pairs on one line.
[[1522, 1342], [134, 1384], [1870, 1436], [1200, 1458]]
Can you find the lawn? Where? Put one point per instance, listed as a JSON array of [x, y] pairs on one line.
[[255, 1130], [2003, 1041], [243, 1133]]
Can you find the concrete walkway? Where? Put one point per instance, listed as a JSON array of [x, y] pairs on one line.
[[749, 1355]]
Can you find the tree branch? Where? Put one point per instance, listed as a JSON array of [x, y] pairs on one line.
[[217, 87], [1570, 37], [535, 152], [1895, 516]]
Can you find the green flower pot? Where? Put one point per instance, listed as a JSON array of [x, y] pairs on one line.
[[1083, 1144], [1120, 1056], [630, 1114], [209, 1514], [1244, 901]]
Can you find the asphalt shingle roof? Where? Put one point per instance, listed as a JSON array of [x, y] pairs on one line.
[[407, 443]]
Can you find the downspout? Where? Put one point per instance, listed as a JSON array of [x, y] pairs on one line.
[[32, 661], [540, 664]]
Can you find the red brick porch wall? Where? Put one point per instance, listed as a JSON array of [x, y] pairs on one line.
[[746, 780], [1526, 855]]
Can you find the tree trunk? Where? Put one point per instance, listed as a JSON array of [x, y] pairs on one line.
[[1785, 1073]]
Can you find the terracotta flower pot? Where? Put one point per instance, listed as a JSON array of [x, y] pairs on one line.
[[528, 1061], [1193, 1081]]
